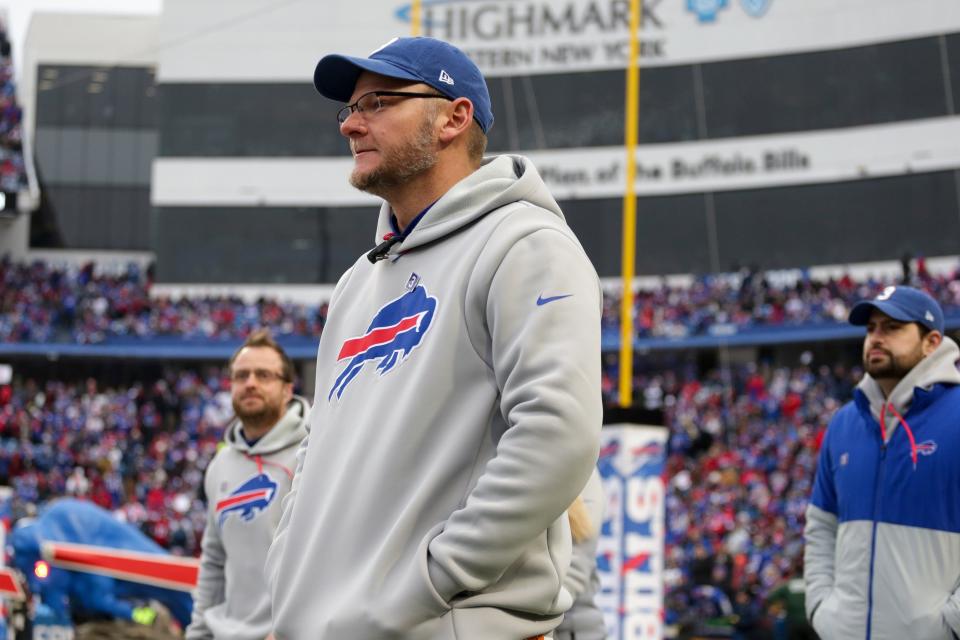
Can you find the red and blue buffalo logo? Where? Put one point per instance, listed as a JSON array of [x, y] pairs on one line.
[[249, 499], [396, 330], [927, 448]]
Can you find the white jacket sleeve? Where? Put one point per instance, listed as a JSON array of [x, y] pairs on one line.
[[951, 612], [820, 534], [542, 336]]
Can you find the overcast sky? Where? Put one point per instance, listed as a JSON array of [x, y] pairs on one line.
[[19, 12]]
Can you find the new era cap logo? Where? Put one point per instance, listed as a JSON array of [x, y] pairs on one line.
[[445, 77], [928, 316]]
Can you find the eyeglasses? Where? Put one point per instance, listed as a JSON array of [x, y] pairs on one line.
[[261, 375], [371, 103]]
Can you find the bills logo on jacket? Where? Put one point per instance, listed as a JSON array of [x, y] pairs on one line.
[[248, 500], [396, 330]]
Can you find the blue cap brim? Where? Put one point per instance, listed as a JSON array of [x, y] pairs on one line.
[[336, 76], [860, 314]]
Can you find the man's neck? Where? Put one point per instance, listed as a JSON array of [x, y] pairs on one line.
[[408, 200], [253, 431], [887, 385], [406, 207]]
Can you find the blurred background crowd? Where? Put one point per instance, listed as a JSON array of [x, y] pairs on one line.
[[41, 302], [743, 437]]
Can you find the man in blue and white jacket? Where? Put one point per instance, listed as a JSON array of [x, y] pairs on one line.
[[882, 557]]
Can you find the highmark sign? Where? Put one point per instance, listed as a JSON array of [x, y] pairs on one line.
[[511, 35], [507, 37]]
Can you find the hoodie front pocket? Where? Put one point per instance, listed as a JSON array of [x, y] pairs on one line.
[[408, 598]]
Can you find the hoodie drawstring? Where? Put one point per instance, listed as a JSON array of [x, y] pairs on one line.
[[261, 462], [906, 426]]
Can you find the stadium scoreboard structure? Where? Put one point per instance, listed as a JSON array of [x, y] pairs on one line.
[[764, 125]]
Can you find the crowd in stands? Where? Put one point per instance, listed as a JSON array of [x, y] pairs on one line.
[[750, 299], [139, 451], [43, 303], [742, 455], [13, 175]]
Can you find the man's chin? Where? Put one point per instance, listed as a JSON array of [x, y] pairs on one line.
[[260, 417], [371, 182], [251, 410], [885, 371]]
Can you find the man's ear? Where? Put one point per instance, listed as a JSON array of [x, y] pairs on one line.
[[457, 118], [931, 341]]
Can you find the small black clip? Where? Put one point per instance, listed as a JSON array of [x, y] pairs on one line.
[[380, 251]]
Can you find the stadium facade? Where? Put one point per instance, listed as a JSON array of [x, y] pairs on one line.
[[775, 133], [89, 97]]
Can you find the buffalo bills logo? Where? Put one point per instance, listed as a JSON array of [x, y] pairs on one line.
[[249, 499], [610, 449], [396, 330], [927, 448], [627, 457]]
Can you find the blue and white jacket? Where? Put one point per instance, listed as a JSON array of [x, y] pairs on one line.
[[882, 556]]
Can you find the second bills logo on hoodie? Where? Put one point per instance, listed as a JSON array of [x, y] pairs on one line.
[[395, 331], [249, 499]]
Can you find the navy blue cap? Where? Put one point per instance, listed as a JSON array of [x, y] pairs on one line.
[[434, 62], [905, 304]]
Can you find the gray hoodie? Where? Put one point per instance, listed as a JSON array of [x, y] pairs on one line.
[[244, 485], [458, 382]]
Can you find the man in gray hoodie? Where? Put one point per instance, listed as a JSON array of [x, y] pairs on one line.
[[458, 379], [882, 556], [244, 484]]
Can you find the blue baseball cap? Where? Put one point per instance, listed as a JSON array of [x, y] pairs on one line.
[[420, 59], [905, 304]]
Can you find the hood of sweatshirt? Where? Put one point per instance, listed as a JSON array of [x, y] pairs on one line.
[[499, 181], [939, 367], [289, 431]]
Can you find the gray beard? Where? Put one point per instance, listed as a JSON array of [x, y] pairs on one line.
[[399, 165]]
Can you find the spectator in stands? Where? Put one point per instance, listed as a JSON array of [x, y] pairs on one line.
[[882, 532], [244, 485], [480, 319], [787, 603]]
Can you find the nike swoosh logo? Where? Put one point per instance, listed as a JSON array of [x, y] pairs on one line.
[[542, 301]]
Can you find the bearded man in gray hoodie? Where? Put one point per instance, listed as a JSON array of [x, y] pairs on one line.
[[244, 485], [882, 556], [458, 379]]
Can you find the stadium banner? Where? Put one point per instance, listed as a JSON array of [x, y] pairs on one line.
[[521, 37], [687, 167], [630, 551], [507, 37]]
